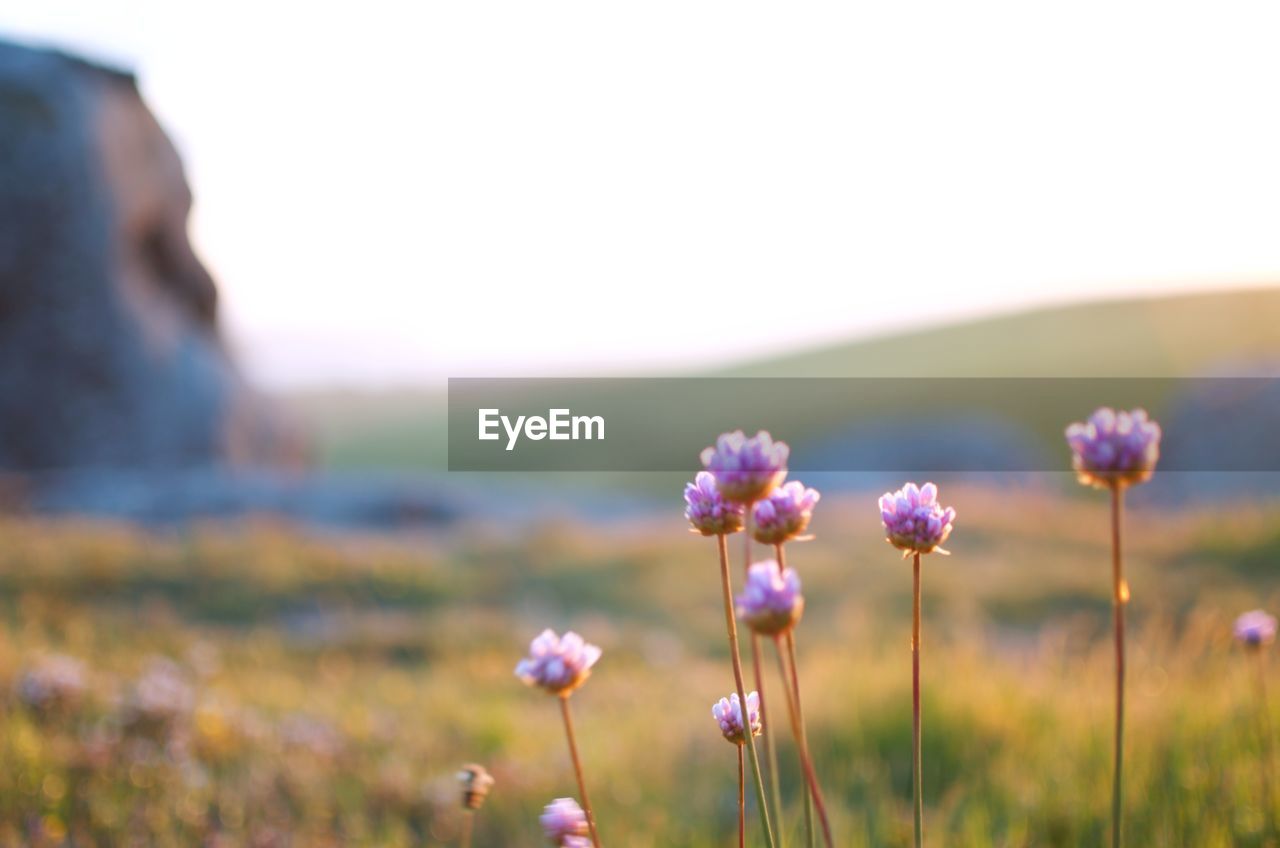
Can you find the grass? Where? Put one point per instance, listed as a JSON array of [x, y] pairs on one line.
[[338, 683]]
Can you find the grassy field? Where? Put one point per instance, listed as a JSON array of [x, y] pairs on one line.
[[254, 686]]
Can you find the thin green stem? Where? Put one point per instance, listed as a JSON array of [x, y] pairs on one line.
[[731, 624], [1119, 598], [577, 769], [792, 676], [770, 740], [797, 721], [770, 743], [468, 817], [917, 771], [742, 800]]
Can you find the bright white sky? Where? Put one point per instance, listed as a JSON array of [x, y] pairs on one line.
[[398, 192]]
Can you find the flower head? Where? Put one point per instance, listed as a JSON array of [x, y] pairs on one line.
[[771, 602], [558, 664], [708, 511], [52, 683], [162, 694], [914, 520], [1255, 629], [476, 783], [746, 469], [1114, 448], [784, 513], [728, 714], [562, 821]]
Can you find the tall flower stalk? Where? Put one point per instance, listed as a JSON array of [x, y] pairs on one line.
[[916, 524], [1255, 631], [772, 605], [476, 783], [770, 742], [1114, 450], [559, 665], [728, 714], [710, 514]]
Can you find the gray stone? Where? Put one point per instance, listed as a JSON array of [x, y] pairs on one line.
[[110, 349]]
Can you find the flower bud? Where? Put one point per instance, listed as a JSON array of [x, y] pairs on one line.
[[476, 783], [728, 714]]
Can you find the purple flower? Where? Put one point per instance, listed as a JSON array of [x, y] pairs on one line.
[[558, 664], [784, 513], [1255, 629], [746, 469], [728, 714], [52, 682], [914, 520], [563, 820], [708, 511], [1114, 448], [770, 602]]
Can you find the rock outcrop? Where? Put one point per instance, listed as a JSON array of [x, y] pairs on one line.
[[110, 349]]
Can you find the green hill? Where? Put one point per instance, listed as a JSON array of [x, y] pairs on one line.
[[1171, 336]]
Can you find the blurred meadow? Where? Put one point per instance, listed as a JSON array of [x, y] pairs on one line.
[[254, 685], [245, 602]]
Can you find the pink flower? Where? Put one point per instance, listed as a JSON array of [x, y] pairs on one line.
[[1114, 448], [1255, 629], [770, 602], [562, 821], [708, 511], [914, 520], [558, 664], [746, 469], [784, 514], [728, 714]]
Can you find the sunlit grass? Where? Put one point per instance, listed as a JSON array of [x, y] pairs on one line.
[[340, 683]]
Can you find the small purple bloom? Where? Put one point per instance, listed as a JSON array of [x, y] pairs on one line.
[[1255, 629], [746, 469], [728, 714], [914, 520], [53, 682], [558, 664], [563, 820], [784, 514], [770, 602], [708, 511], [1114, 448]]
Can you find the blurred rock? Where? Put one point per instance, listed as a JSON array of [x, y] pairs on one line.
[[110, 349]]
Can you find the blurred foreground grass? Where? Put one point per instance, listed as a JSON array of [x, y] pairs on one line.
[[257, 686]]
